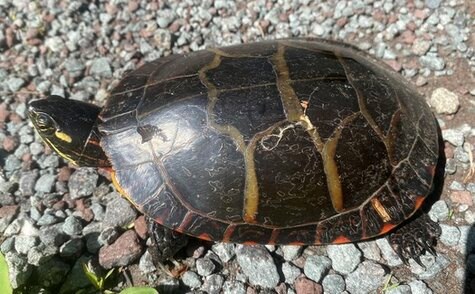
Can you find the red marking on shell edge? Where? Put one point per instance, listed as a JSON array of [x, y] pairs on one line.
[[419, 201], [227, 234], [273, 237], [185, 222], [297, 243], [249, 242], [341, 239], [204, 236], [386, 228]]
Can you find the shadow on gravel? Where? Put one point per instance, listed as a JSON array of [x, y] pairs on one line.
[[469, 259]]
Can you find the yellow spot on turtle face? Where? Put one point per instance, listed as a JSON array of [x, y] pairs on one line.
[[63, 136]]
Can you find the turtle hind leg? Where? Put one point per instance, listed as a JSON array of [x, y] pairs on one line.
[[412, 238], [165, 244]]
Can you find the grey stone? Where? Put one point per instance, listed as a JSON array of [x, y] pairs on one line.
[[7, 245], [191, 279], [24, 243], [12, 163], [461, 155], [291, 272], [47, 219], [119, 213], [439, 211], [19, 268], [471, 187], [82, 182], [72, 248], [27, 182], [53, 235], [72, 226], [75, 67], [13, 228], [101, 67], [51, 160], [333, 284], [444, 101], [450, 235], [146, 264], [450, 166], [258, 265], [92, 242], [432, 62], [15, 84], [345, 257], [366, 278], [225, 251], [213, 284], [108, 236], [370, 250], [419, 287], [57, 271], [316, 267], [457, 186], [205, 267], [234, 287], [99, 211], [433, 4], [388, 252], [453, 136], [291, 252], [433, 265], [45, 183], [400, 289]]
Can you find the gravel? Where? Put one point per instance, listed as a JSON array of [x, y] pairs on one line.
[[344, 258], [57, 216], [366, 278], [258, 265], [316, 267]]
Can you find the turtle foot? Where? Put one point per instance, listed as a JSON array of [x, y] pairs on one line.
[[165, 244], [415, 237]]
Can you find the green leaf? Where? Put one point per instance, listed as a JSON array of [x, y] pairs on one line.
[[5, 286], [96, 281], [139, 290]]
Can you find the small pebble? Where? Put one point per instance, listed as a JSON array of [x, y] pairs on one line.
[[444, 101]]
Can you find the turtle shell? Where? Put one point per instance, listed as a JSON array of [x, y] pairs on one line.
[[296, 141]]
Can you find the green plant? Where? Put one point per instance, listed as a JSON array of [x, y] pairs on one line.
[[97, 281], [5, 286], [388, 285]]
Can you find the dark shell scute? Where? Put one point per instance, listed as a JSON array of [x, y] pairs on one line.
[[290, 172], [249, 110], [363, 162], [210, 176], [241, 72]]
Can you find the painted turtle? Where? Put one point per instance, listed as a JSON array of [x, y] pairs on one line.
[[296, 141]]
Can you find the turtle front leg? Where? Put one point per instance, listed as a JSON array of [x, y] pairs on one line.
[[410, 240], [165, 244]]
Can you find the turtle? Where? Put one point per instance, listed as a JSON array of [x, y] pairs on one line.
[[291, 141]]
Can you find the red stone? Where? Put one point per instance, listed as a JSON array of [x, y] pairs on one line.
[[462, 197], [8, 211], [305, 286], [141, 228], [125, 250], [10, 143]]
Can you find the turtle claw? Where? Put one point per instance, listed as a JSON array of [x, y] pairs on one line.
[[414, 238], [165, 243]]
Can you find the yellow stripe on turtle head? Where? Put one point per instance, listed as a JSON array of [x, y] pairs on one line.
[[63, 136]]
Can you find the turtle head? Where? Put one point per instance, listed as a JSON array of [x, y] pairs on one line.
[[69, 127]]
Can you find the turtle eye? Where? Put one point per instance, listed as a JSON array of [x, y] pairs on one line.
[[45, 123]]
